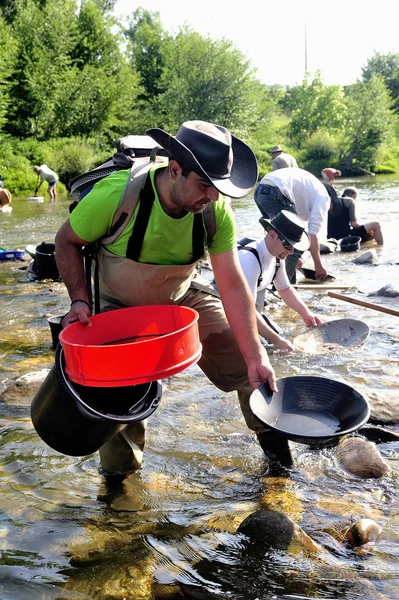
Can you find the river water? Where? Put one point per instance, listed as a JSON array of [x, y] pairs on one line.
[[170, 530]]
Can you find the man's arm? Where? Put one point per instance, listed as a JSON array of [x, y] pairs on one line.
[[69, 253], [241, 315], [291, 299], [321, 273], [271, 336]]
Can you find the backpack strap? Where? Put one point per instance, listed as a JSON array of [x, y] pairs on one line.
[[209, 220], [255, 253], [130, 199]]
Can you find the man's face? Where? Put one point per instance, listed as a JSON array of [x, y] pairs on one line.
[[192, 193], [278, 246]]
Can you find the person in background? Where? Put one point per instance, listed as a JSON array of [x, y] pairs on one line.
[[263, 263], [46, 174], [5, 200], [282, 159], [1, 182], [152, 258], [350, 192], [328, 174], [300, 192], [343, 221]]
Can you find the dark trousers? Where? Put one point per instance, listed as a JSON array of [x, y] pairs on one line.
[[270, 202]]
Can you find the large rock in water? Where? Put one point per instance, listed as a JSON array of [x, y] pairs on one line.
[[388, 291], [361, 458], [384, 406], [368, 258], [273, 529]]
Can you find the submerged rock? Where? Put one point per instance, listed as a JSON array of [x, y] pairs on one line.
[[273, 529], [368, 258], [361, 457], [363, 534], [34, 377], [388, 291]]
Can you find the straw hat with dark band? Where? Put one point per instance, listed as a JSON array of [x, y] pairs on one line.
[[214, 153]]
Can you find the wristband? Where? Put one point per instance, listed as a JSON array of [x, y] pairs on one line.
[[79, 300]]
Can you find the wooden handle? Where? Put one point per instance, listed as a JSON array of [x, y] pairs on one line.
[[321, 286], [383, 309]]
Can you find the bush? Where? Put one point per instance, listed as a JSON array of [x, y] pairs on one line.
[[385, 170], [67, 157], [319, 151], [72, 157]]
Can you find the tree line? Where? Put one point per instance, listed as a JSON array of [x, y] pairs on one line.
[[73, 79]]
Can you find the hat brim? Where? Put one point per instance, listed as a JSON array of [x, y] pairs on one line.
[[244, 170], [302, 245]]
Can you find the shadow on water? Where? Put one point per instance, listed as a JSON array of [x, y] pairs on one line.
[[200, 519]]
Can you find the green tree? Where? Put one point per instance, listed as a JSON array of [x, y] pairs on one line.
[[45, 38], [369, 124], [314, 106], [209, 80], [386, 65], [8, 50], [147, 45]]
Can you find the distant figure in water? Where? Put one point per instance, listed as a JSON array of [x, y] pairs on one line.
[[351, 192], [5, 200], [343, 221], [329, 173], [282, 160]]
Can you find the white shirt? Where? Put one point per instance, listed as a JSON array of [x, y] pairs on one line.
[[251, 270], [309, 195], [47, 174]]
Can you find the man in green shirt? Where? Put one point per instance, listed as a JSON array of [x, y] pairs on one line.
[[151, 259]]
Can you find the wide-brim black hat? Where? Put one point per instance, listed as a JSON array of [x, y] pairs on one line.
[[290, 227], [214, 153]]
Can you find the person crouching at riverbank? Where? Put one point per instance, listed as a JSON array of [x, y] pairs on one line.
[[5, 200]]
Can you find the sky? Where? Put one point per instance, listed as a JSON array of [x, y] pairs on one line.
[[341, 35]]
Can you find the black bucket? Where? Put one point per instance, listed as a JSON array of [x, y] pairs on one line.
[[76, 420], [55, 328], [351, 243], [45, 263]]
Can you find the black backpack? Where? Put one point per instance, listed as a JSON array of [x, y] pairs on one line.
[[129, 150]]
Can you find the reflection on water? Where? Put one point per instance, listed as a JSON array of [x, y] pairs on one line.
[[172, 529]]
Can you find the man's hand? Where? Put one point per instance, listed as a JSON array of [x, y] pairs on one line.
[[79, 311], [299, 264], [284, 344], [320, 271], [261, 371], [312, 320]]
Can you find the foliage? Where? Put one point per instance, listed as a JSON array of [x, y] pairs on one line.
[[386, 65], [73, 81], [314, 106], [321, 149], [8, 49], [368, 125], [73, 156], [147, 42]]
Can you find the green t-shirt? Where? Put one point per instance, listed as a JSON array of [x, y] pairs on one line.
[[167, 241]]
